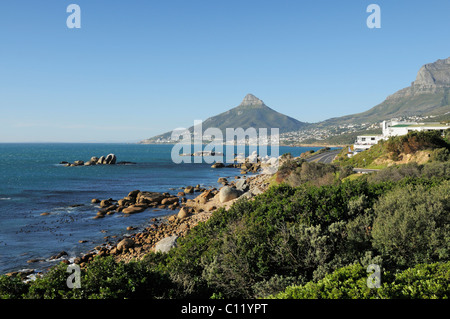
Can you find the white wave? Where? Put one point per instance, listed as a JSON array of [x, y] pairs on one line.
[[5, 198]]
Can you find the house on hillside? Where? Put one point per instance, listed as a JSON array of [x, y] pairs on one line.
[[395, 128], [402, 128], [364, 142]]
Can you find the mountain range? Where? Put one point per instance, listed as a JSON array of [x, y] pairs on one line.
[[428, 95]]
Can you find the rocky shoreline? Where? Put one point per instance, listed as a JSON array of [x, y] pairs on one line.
[[162, 233]]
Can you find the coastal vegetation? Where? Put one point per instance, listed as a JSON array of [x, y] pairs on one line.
[[312, 234], [417, 147]]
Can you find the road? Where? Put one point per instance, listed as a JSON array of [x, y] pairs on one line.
[[364, 170], [328, 157], [325, 157]]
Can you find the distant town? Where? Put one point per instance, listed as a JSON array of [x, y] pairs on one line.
[[317, 133]]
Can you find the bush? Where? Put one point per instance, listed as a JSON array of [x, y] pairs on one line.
[[296, 172], [12, 287], [440, 155], [396, 173], [415, 141], [52, 286], [103, 278], [345, 283], [289, 232], [425, 281], [412, 224]]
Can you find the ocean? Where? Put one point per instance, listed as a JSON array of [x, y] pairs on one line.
[[32, 182]]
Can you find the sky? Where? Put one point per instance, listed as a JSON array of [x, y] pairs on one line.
[[136, 68]]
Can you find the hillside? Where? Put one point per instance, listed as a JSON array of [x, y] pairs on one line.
[[415, 147], [252, 112], [428, 95]]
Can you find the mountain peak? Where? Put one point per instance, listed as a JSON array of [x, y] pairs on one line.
[[252, 100], [434, 74]]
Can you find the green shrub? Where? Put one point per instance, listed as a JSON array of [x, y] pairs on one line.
[[103, 278], [52, 286], [415, 141], [275, 284], [412, 224], [440, 155], [296, 172], [425, 281], [288, 232], [349, 282], [12, 287]]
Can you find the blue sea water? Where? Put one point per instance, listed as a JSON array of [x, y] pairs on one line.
[[33, 182]]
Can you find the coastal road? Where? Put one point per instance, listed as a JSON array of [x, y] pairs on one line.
[[365, 170], [325, 157], [328, 157]]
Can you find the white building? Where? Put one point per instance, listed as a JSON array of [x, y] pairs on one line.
[[394, 128], [364, 142]]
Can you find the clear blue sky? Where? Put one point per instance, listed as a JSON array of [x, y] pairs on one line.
[[140, 68]]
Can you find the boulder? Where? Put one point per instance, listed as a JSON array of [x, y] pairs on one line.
[[166, 244], [222, 180], [189, 190], [122, 202], [228, 193], [218, 165], [59, 255], [242, 185], [134, 193], [110, 159], [133, 209], [101, 160], [204, 197], [247, 195], [256, 191], [149, 197], [183, 213], [125, 244], [105, 203], [169, 201]]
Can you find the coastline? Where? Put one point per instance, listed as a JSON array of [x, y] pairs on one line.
[[281, 144], [55, 214], [135, 245], [176, 225]]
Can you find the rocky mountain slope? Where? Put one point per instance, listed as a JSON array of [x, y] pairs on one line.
[[429, 94], [252, 112]]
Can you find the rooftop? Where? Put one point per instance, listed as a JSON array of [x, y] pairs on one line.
[[431, 124]]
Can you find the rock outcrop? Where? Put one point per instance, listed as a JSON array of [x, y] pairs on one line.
[[110, 159], [431, 78], [434, 74], [228, 193], [166, 244]]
